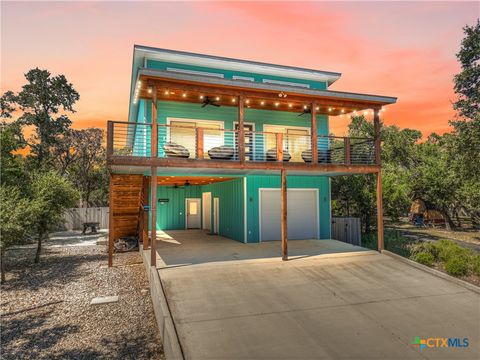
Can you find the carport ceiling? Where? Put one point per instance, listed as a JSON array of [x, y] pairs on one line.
[[191, 180]]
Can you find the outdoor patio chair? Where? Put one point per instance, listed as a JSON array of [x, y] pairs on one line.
[[223, 152], [272, 155], [175, 150], [323, 156]]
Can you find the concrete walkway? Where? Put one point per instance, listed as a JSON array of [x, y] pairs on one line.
[[239, 301]]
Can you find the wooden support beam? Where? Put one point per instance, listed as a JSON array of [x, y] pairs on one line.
[[110, 137], [380, 234], [279, 138], [153, 211], [111, 226], [346, 144], [145, 214], [314, 135], [241, 129], [199, 142], [154, 141], [284, 219], [376, 129]]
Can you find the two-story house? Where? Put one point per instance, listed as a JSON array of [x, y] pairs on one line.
[[237, 148]]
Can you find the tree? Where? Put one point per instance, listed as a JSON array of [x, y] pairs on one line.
[[12, 170], [41, 101], [81, 156], [467, 82], [17, 214], [53, 194]]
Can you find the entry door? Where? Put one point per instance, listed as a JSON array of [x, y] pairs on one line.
[[207, 211], [193, 213], [216, 215], [302, 214], [248, 140]]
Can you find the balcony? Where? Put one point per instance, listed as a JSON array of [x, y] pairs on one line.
[[131, 144]]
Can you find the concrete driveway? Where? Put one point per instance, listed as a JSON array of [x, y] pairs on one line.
[[238, 301]]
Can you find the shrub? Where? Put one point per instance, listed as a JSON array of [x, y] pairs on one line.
[[449, 249], [476, 265], [457, 266], [424, 258], [425, 247]]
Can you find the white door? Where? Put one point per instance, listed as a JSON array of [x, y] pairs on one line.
[[302, 214], [193, 213], [216, 215], [206, 211]]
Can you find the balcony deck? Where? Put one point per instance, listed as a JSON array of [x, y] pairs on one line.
[[205, 150]]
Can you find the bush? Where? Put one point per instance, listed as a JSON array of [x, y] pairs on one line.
[[424, 258], [425, 247], [457, 266], [476, 265], [448, 249]]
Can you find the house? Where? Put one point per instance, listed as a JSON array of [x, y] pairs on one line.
[[214, 143]]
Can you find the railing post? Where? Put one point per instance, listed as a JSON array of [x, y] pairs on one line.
[[111, 222], [199, 142], [154, 145], [110, 135], [314, 135], [346, 144], [279, 137], [241, 129], [284, 218], [153, 209], [376, 127]]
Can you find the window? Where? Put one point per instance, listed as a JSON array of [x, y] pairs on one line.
[[295, 140], [184, 133], [193, 209]]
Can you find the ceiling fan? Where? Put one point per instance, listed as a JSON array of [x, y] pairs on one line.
[[207, 100], [176, 186], [305, 111]]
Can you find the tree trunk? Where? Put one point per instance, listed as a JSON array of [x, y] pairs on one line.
[[39, 248], [449, 225], [2, 265]]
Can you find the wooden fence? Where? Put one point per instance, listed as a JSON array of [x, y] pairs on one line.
[[347, 229], [74, 218]]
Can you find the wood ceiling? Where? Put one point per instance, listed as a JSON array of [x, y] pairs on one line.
[[192, 180], [266, 100]]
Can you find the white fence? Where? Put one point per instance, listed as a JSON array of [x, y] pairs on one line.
[[74, 218], [347, 229]]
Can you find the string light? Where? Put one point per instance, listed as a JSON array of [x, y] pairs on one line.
[[166, 92], [305, 107], [262, 102], [184, 95], [149, 90], [201, 96], [247, 101], [329, 109], [343, 111], [290, 105], [233, 100], [317, 108], [277, 103], [217, 98]]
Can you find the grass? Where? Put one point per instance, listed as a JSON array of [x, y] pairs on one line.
[[454, 259]]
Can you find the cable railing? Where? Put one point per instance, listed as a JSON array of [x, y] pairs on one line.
[[209, 143]]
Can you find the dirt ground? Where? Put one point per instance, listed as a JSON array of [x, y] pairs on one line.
[[469, 238], [46, 311]]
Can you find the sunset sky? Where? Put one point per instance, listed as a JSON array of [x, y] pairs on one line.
[[405, 50]]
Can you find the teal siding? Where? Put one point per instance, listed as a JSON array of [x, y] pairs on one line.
[[171, 214], [231, 207], [228, 74], [255, 182]]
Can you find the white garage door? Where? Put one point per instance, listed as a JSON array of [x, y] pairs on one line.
[[302, 214]]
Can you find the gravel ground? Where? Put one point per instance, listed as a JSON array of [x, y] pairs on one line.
[[46, 311]]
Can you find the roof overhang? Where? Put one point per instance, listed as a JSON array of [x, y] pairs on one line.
[[332, 102]]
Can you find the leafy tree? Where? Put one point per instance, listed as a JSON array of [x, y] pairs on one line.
[[12, 170], [81, 156], [53, 194], [17, 215], [41, 102], [467, 82]]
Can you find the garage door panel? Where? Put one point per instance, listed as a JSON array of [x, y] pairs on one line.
[[302, 214]]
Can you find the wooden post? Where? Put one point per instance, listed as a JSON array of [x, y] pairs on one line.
[[279, 137], [145, 214], [346, 144], [111, 226], [376, 126], [199, 142], [154, 144], [284, 222], [241, 129], [314, 135], [153, 209], [110, 134]]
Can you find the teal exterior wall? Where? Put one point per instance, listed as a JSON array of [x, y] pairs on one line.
[[171, 214], [228, 74], [255, 182]]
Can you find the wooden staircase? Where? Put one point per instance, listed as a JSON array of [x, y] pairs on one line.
[[126, 200]]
